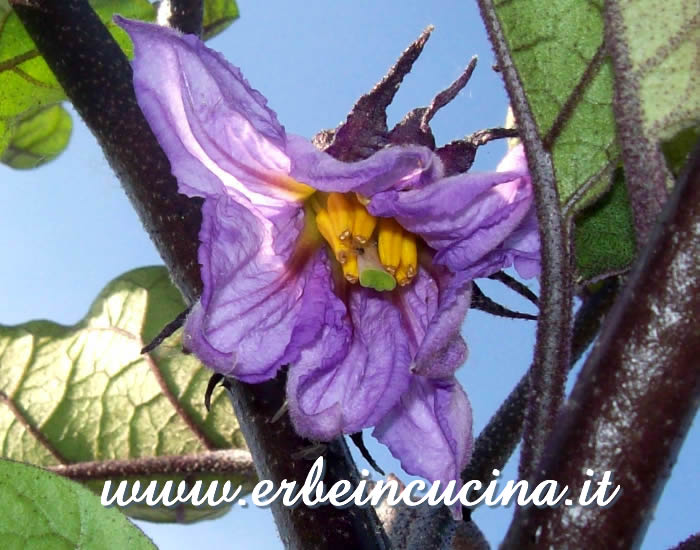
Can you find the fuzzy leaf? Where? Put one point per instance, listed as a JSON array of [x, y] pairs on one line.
[[557, 47], [39, 138], [603, 232], [553, 44], [85, 393], [218, 15], [663, 48], [39, 509]]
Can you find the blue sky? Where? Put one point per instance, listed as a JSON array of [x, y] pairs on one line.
[[67, 228]]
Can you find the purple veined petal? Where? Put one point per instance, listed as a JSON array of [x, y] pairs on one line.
[[433, 308], [355, 372], [260, 302], [217, 132], [443, 303], [523, 246], [462, 217], [430, 430], [400, 167]]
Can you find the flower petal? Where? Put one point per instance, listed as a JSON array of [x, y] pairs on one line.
[[260, 302], [523, 247], [354, 374], [434, 307], [430, 430], [466, 218], [404, 167], [217, 132]]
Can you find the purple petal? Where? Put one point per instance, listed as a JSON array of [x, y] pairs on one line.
[[405, 167], [465, 217], [523, 247], [434, 307], [260, 303], [217, 132], [354, 374], [430, 430]]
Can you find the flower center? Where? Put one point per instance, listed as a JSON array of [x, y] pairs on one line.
[[376, 252]]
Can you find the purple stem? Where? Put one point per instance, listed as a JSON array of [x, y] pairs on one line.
[[552, 347], [636, 396]]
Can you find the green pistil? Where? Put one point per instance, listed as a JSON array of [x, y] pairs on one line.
[[372, 273], [378, 280]]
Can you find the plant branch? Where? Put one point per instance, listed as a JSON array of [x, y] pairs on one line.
[[552, 353], [637, 394], [225, 461], [311, 530], [500, 437], [98, 80]]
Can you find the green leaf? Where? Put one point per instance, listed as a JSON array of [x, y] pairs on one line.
[[662, 49], [655, 54], [39, 138], [558, 49], [85, 393], [40, 510], [218, 15], [26, 82], [677, 149], [604, 234]]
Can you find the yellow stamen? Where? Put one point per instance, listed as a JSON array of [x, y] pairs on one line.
[[340, 210], [363, 224], [325, 227], [402, 276], [390, 244], [409, 254], [350, 269]]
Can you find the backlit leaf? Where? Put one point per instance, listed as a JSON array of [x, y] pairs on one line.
[[39, 138], [218, 15], [85, 393]]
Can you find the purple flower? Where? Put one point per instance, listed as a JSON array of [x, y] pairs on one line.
[[357, 275]]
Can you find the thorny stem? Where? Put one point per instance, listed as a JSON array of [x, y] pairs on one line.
[[499, 438], [552, 351], [636, 396], [98, 80]]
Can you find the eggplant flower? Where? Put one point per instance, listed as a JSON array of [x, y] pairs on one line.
[[356, 275]]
